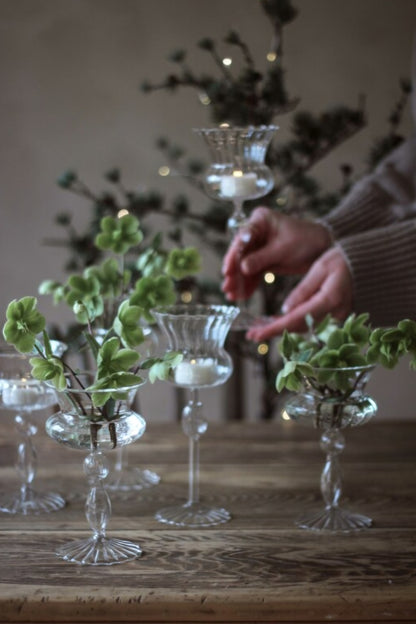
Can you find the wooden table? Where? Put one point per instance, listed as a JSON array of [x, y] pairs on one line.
[[257, 568]]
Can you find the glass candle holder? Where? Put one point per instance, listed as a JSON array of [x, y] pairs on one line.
[[198, 332], [22, 394], [331, 401], [83, 426], [237, 173]]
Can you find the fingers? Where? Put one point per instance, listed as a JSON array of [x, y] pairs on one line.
[[253, 235], [307, 287], [317, 306], [326, 289], [231, 261], [257, 261], [237, 286]]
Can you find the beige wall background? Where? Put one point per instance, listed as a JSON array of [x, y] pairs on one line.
[[70, 72]]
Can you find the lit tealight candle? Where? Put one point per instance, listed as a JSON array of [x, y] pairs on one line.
[[238, 184], [196, 372], [17, 395]]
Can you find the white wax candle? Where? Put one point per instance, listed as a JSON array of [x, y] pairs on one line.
[[196, 372], [238, 184], [16, 395]]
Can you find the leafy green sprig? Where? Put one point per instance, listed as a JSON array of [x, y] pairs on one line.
[[114, 337], [331, 354]]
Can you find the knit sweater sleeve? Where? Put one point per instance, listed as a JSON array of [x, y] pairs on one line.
[[383, 267], [379, 199]]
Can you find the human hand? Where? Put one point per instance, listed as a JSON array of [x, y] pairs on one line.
[[274, 242], [327, 288]]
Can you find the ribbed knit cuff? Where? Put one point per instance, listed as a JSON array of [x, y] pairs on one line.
[[383, 267], [367, 206]]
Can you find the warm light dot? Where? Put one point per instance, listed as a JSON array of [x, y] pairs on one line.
[[225, 125], [122, 213], [269, 278], [204, 99], [285, 415], [164, 171], [227, 61], [281, 201], [263, 348], [186, 296], [237, 173], [271, 57]]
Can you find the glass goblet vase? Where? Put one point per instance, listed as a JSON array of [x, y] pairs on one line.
[[332, 401], [198, 332], [22, 394], [80, 425], [238, 173]]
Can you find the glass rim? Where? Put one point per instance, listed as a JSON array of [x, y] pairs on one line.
[[250, 127], [194, 310], [363, 367], [8, 350], [87, 389]]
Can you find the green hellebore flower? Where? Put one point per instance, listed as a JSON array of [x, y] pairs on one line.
[[23, 323], [151, 292], [116, 384], [127, 324], [49, 369], [108, 276], [119, 235], [161, 367], [292, 375], [113, 359], [183, 262], [84, 297]]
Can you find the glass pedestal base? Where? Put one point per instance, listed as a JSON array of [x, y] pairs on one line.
[[132, 478], [334, 519], [31, 503], [193, 515], [99, 550]]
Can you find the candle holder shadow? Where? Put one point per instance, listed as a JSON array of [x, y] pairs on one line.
[[198, 332]]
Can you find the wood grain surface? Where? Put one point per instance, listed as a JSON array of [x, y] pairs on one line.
[[257, 568]]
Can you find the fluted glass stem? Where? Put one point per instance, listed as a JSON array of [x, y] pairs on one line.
[[121, 459], [235, 226], [98, 504], [98, 549], [26, 463], [333, 517], [193, 425], [193, 491], [237, 219], [332, 443]]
